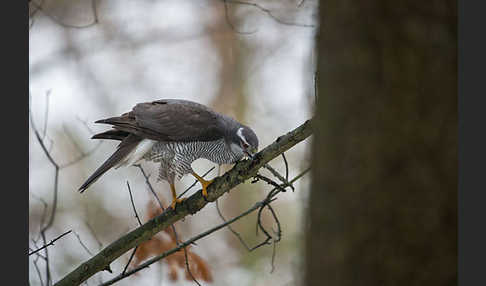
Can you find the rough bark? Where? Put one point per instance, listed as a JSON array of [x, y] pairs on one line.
[[383, 205]]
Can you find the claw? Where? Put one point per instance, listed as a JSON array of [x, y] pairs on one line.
[[204, 184], [176, 201]]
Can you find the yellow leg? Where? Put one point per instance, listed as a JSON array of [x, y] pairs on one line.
[[175, 200], [204, 183]]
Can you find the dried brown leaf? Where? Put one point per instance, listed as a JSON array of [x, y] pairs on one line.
[[159, 244]]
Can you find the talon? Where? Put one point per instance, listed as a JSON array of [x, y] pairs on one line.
[[204, 184], [176, 201]]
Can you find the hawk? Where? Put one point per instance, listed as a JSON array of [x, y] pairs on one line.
[[174, 133]]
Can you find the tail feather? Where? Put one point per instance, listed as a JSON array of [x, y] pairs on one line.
[[111, 134], [125, 147]]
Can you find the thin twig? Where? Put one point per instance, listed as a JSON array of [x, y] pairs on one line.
[[38, 272], [82, 244], [269, 181], [129, 260], [85, 124], [270, 14], [278, 235], [54, 203], [43, 216], [230, 24], [195, 182], [31, 15], [280, 177], [100, 245], [181, 246], [188, 268], [46, 114], [133, 204], [277, 222], [238, 235], [50, 243], [257, 205], [286, 167], [147, 181], [95, 16], [274, 252], [82, 154], [46, 253], [38, 255], [56, 174], [139, 222], [242, 171]]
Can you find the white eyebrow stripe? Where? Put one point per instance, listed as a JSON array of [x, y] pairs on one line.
[[240, 134]]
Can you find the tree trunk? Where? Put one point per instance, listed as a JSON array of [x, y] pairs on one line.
[[383, 205]]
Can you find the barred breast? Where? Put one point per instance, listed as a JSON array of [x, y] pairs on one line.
[[176, 157]]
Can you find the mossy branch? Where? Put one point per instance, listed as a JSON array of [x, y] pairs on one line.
[[238, 174]]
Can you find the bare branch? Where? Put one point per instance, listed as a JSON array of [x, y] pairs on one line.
[[280, 177], [230, 23], [32, 14], [43, 216], [187, 267], [129, 260], [147, 181], [38, 255], [181, 246], [258, 205], [133, 204], [93, 7], [100, 245], [46, 114], [278, 236], [173, 227], [85, 124], [139, 223], [50, 243], [238, 235], [286, 167], [82, 154], [41, 142], [82, 244], [56, 169], [38, 272], [242, 171], [269, 181], [274, 252], [270, 13]]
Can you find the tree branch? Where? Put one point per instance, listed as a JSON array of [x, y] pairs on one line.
[[50, 243], [242, 171], [259, 205]]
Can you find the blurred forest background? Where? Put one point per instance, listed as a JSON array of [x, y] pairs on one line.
[[381, 208], [94, 59]]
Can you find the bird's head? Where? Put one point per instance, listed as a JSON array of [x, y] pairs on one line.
[[244, 141]]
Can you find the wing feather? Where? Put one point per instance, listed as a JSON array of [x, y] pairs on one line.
[[170, 120]]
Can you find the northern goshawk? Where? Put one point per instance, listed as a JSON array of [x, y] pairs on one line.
[[174, 133]]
